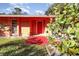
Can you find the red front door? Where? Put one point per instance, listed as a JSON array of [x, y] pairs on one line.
[[33, 28], [39, 27]]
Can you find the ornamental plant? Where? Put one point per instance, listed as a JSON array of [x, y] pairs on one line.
[[38, 40], [68, 47], [66, 20], [66, 23]]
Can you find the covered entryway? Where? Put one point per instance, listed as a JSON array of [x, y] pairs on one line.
[[36, 27]]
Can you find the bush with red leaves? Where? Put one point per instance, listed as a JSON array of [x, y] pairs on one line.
[[39, 40]]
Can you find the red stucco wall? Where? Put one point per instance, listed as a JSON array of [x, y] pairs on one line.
[[23, 22]]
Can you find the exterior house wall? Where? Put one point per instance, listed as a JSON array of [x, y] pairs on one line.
[[25, 28]]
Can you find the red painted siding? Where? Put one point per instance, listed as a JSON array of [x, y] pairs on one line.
[[37, 24]]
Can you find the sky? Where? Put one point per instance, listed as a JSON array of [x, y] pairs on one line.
[[30, 8]]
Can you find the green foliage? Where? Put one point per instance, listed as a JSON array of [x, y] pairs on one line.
[[69, 43], [66, 22], [68, 47], [70, 30]]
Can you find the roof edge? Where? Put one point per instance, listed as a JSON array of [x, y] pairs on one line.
[[27, 15]]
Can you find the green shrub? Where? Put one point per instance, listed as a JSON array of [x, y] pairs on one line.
[[68, 47]]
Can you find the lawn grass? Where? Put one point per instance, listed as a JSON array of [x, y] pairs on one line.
[[16, 47]]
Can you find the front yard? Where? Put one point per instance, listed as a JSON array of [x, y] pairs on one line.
[[16, 47]]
